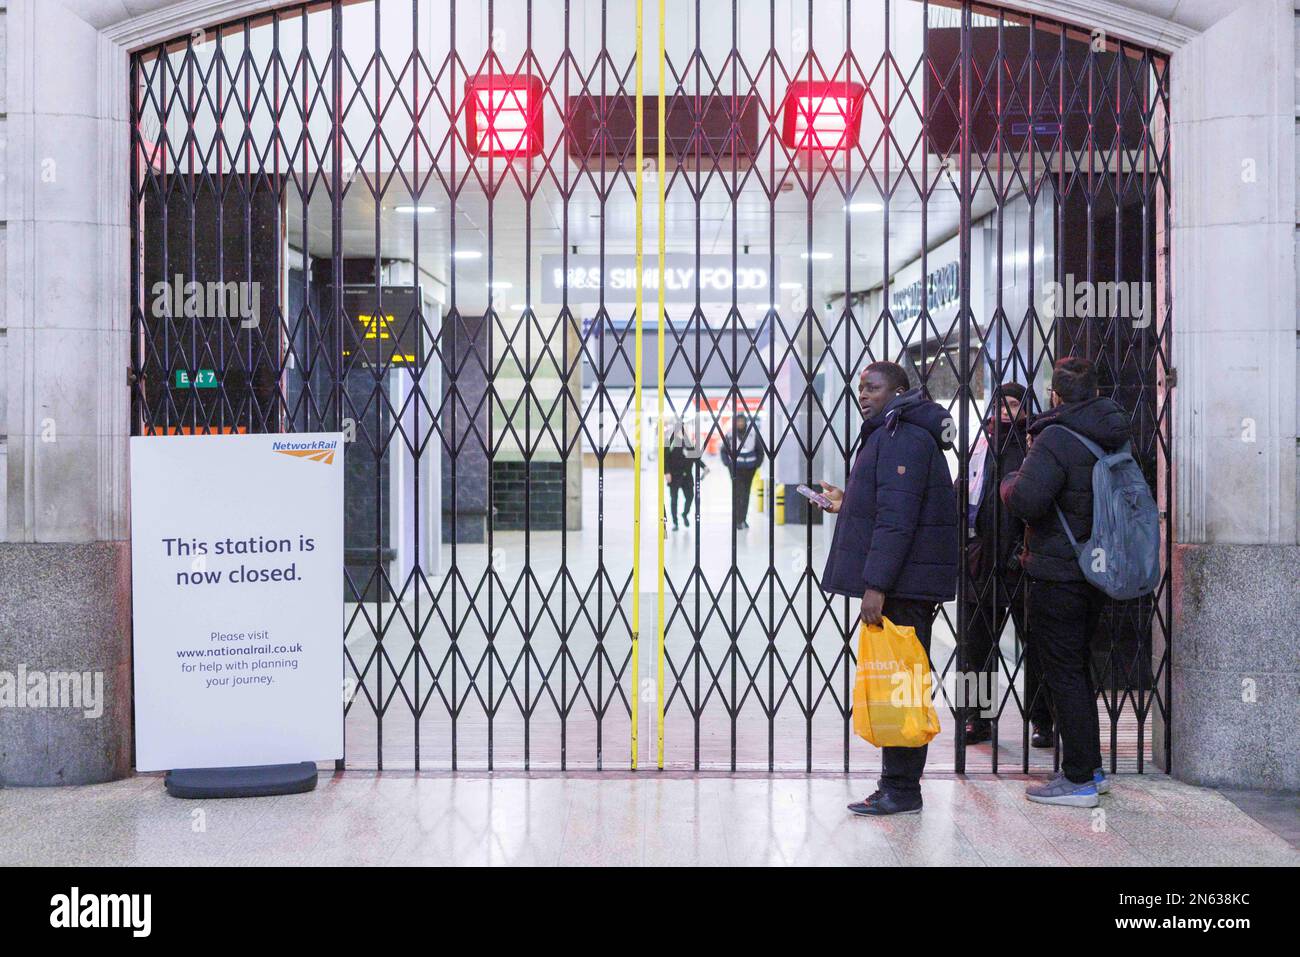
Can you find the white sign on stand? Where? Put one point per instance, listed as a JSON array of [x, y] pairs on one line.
[[237, 590]]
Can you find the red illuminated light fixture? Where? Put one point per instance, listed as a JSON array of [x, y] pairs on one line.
[[822, 116], [503, 115]]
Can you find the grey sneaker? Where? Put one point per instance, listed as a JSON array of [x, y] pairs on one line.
[[1101, 781], [1061, 790]]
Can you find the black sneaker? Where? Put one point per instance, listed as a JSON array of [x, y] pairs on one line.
[[887, 804], [859, 807], [1042, 737], [978, 730]]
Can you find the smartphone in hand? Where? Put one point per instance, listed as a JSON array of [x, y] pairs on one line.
[[812, 495]]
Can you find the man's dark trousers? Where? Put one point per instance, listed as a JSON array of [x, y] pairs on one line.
[[1062, 618], [686, 491], [900, 768], [742, 481]]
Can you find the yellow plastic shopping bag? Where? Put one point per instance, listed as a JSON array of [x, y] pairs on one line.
[[892, 700]]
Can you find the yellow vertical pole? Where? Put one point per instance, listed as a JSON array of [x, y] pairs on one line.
[[636, 428], [662, 177]]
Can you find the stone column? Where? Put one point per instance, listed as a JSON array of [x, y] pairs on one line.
[[64, 558], [1236, 575]]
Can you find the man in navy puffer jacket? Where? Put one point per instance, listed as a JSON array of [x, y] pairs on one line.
[[896, 540]]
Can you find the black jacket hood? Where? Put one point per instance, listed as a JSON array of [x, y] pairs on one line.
[[915, 408], [1100, 419]]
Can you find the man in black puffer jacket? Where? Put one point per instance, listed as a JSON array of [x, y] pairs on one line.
[[895, 544], [1062, 608]]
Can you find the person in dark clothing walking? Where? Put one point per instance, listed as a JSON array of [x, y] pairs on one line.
[[1062, 608], [994, 539], [742, 454], [682, 463], [896, 538]]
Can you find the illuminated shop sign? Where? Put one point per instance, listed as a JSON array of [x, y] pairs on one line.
[[942, 288], [713, 278]]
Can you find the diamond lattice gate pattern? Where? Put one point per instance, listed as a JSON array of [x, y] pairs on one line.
[[544, 263]]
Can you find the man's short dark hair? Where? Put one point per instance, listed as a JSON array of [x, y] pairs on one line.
[[1074, 379], [895, 375]]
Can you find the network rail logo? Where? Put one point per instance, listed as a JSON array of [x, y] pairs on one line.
[[318, 451]]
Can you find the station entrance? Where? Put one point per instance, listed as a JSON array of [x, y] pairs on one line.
[[523, 253]]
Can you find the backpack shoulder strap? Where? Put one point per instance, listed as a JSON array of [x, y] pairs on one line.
[[1074, 543], [1097, 451]]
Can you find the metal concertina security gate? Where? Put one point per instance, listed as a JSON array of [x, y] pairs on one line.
[[509, 248]]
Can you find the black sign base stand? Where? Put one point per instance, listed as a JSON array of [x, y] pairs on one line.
[[262, 781]]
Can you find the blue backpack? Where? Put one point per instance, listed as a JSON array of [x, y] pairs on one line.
[[1122, 558]]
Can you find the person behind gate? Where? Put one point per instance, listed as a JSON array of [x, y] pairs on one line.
[[742, 454], [994, 540], [1054, 486], [682, 469], [896, 543]]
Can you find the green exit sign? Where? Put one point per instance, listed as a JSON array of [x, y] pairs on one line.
[[202, 379]]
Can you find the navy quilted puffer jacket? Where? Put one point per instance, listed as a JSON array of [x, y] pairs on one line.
[[897, 531]]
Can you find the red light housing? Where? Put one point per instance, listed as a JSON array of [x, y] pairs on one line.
[[503, 115], [822, 116]]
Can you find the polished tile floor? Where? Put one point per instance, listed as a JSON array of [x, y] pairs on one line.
[[626, 819]]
